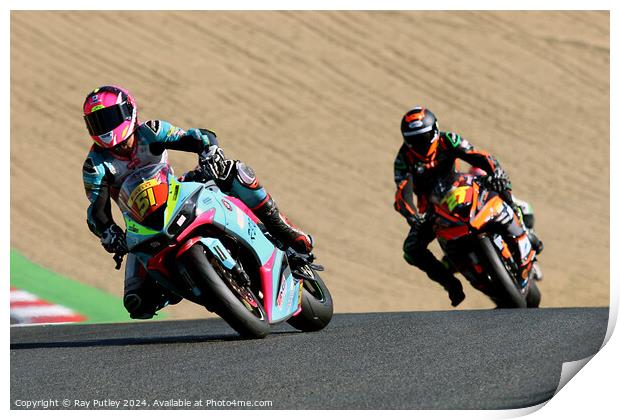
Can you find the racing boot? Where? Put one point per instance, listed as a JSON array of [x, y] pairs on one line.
[[283, 230], [453, 286]]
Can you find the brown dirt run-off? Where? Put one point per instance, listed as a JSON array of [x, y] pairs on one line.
[[313, 100]]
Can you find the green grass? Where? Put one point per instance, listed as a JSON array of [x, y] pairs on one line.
[[97, 305]]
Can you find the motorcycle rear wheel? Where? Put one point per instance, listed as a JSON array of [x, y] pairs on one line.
[[222, 299], [512, 297], [317, 306]]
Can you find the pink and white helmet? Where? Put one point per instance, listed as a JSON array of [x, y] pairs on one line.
[[111, 115]]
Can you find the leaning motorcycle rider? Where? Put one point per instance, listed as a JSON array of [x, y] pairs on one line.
[[426, 158], [122, 144]]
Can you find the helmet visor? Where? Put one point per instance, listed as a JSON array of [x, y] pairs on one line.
[[421, 143], [107, 119]]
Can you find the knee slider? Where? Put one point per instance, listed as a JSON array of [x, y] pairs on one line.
[[132, 302], [246, 176], [137, 302]]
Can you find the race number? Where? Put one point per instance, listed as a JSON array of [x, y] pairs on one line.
[[143, 197], [455, 197]]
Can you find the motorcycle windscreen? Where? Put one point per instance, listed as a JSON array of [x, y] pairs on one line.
[[144, 194]]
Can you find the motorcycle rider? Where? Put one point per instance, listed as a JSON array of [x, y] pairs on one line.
[[122, 144], [426, 157]]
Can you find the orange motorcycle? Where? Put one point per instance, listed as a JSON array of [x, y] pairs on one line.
[[470, 223]]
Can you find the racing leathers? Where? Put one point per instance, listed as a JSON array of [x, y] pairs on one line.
[[103, 174], [414, 176]]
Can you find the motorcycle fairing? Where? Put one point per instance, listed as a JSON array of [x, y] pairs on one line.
[[219, 251], [466, 209], [463, 207], [493, 208], [280, 288], [281, 291]]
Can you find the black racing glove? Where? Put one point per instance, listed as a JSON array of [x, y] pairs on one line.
[[416, 221], [215, 164], [113, 240], [499, 181]]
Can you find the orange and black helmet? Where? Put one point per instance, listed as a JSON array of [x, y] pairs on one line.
[[420, 132]]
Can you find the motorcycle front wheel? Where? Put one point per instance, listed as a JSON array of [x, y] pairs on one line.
[[236, 304], [317, 306], [511, 294]]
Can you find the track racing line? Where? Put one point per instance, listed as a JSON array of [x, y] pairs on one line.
[[484, 359]]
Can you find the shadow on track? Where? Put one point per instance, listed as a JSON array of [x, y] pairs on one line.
[[141, 341]]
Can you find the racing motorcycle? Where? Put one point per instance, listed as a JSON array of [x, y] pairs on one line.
[[209, 248], [469, 221]]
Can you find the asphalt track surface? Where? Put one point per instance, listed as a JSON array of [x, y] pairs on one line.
[[488, 359]]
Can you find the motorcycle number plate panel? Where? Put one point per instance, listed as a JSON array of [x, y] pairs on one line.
[[146, 198], [458, 196]]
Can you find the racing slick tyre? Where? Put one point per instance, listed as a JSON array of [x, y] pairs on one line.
[[533, 295], [317, 306], [512, 297], [236, 304]]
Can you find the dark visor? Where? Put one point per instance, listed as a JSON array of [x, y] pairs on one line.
[[107, 119], [421, 143]]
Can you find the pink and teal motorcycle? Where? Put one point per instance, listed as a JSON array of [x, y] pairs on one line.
[[209, 248]]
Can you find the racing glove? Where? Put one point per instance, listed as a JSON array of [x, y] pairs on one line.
[[499, 181], [416, 221], [113, 240], [214, 163]]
